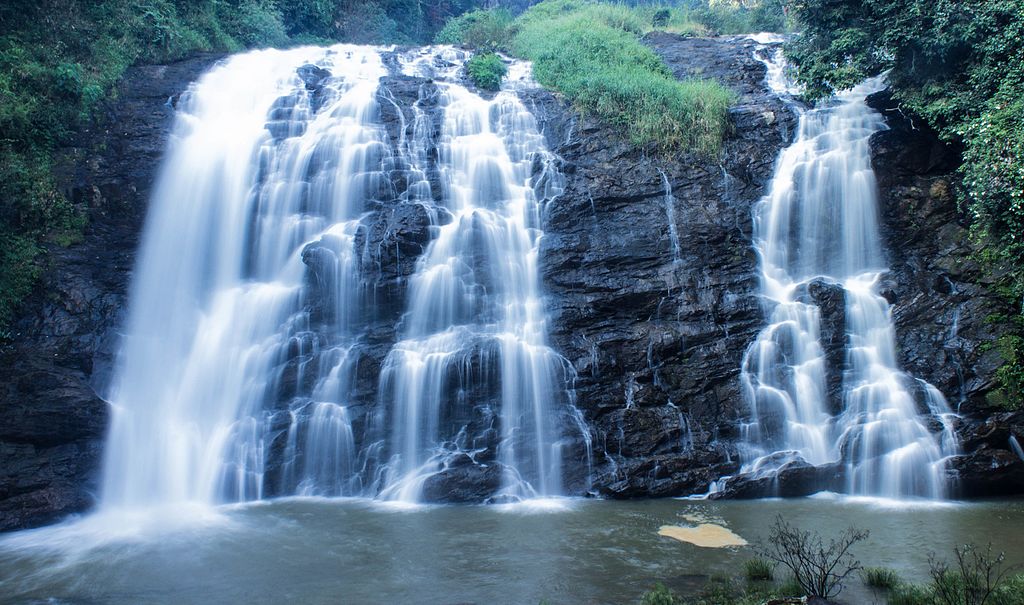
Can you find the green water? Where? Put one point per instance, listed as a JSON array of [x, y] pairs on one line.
[[352, 551]]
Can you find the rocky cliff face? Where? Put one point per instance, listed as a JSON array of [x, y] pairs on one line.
[[651, 279]]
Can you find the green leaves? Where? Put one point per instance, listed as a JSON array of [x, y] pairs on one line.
[[486, 71]]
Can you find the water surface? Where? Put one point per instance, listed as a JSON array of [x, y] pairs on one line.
[[359, 551]]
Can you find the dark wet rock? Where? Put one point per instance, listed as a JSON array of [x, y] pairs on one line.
[[988, 472], [993, 464], [794, 479], [312, 76], [671, 474], [463, 481], [641, 329]]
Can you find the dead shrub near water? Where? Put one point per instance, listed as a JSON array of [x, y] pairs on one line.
[[819, 567]]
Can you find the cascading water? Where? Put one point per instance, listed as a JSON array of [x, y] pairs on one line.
[[248, 313], [476, 319], [817, 230], [253, 175]]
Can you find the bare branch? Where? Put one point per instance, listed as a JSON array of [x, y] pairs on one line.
[[818, 568]]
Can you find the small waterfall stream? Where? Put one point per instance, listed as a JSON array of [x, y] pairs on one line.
[[252, 308], [817, 232]]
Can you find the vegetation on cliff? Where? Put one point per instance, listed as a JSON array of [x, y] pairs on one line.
[[592, 53], [959, 65], [486, 70]]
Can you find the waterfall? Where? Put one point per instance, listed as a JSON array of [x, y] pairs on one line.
[[250, 308], [816, 232], [476, 318]]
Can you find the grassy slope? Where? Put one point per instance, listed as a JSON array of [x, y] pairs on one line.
[[591, 52]]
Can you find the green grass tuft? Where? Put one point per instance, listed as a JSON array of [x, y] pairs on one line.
[[880, 577], [790, 588], [758, 570], [907, 594]]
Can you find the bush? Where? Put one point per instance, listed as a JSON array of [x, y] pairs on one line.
[[974, 577], [818, 568], [257, 23], [909, 595], [486, 71], [484, 30], [19, 269], [758, 570], [659, 595], [880, 577]]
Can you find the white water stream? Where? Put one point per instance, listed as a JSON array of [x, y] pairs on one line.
[[231, 375], [819, 223]]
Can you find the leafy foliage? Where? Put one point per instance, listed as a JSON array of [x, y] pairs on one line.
[[485, 30], [591, 53], [959, 64], [486, 71]]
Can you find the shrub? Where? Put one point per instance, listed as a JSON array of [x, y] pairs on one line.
[[818, 568], [975, 576], [907, 594], [758, 570], [19, 269], [659, 595], [257, 23], [660, 17], [880, 577], [484, 30], [313, 18], [486, 71]]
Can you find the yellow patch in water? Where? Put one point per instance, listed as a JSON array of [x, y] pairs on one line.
[[707, 535]]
